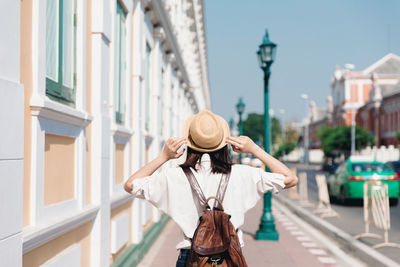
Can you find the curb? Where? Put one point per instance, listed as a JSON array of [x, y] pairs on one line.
[[348, 243]]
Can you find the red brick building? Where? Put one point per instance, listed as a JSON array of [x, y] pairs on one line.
[[351, 90], [372, 96], [381, 115]]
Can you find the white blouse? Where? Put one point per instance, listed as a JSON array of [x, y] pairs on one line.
[[169, 190]]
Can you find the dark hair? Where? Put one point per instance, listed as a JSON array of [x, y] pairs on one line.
[[220, 160]]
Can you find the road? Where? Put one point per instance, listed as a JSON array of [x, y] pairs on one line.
[[351, 218]]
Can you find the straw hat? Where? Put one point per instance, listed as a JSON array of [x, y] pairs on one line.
[[205, 131]]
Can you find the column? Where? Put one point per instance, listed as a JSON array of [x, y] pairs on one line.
[[100, 164], [11, 136]]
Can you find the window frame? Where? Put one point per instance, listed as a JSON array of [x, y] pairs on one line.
[[147, 77], [121, 37], [57, 91]]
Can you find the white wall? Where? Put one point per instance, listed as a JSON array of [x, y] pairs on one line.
[[11, 135]]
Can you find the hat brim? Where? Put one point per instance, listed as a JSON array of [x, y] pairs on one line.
[[226, 133]]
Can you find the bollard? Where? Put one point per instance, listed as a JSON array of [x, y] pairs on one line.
[[367, 215], [293, 194], [303, 190], [381, 212], [324, 205]]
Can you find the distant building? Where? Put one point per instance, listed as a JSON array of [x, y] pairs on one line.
[[371, 95], [319, 117], [352, 89], [90, 91], [381, 114]]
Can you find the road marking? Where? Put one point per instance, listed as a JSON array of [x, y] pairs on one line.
[[297, 233], [309, 244], [337, 252], [327, 260], [317, 251], [292, 228], [303, 238]]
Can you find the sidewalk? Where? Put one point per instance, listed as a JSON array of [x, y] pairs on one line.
[[298, 245]]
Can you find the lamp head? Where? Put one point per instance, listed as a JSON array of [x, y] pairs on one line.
[[267, 51], [240, 106]]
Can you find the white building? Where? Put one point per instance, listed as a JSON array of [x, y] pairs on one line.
[[90, 91]]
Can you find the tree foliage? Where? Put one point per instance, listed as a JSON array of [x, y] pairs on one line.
[[291, 135], [276, 131], [284, 149], [398, 135], [253, 127], [338, 140]]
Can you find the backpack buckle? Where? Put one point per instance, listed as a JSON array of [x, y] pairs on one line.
[[215, 261]]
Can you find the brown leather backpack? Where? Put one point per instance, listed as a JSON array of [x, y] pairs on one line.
[[215, 241]]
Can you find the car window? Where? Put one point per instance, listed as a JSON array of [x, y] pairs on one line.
[[370, 167]]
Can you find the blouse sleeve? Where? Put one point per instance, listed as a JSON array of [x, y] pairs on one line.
[[268, 181], [256, 182], [152, 188]]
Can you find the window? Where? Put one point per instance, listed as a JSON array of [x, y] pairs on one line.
[[60, 51], [147, 77], [120, 51]]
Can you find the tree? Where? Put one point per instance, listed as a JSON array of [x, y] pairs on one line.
[[284, 149], [276, 131], [398, 135], [338, 140], [291, 135], [253, 127]]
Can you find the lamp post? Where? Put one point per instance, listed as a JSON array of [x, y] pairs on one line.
[[306, 136], [231, 126], [348, 68], [266, 56], [240, 109]]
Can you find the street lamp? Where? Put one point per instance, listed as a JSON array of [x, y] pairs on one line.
[[348, 68], [240, 109], [266, 56], [306, 131]]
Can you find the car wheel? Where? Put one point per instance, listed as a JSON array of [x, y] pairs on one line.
[[393, 202], [343, 199]]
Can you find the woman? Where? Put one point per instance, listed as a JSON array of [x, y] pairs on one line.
[[206, 136]]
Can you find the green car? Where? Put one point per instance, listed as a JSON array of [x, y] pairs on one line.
[[348, 181]]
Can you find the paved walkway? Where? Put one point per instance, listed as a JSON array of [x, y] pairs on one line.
[[299, 244]]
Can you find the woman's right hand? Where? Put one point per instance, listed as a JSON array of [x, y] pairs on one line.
[[242, 144], [171, 147]]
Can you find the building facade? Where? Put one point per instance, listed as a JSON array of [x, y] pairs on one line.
[[319, 117], [90, 90], [381, 115], [369, 97], [352, 89]]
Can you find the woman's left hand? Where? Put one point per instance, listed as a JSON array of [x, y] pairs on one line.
[[171, 147]]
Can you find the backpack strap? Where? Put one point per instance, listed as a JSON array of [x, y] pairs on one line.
[[197, 189], [195, 186], [223, 184]]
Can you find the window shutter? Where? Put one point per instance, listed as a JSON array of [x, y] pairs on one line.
[[68, 37], [123, 66], [52, 26]]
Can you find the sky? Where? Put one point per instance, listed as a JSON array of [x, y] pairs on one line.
[[313, 37]]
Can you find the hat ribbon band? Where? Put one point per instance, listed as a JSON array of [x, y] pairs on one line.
[[193, 142]]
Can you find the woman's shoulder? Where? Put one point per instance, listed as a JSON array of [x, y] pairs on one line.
[[242, 167], [243, 170]]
